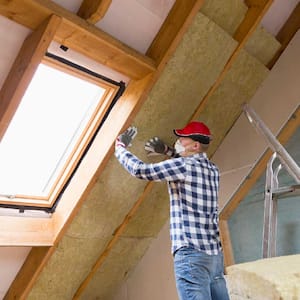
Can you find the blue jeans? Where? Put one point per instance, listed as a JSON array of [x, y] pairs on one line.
[[199, 276]]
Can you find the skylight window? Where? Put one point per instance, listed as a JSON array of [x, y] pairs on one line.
[[49, 131]]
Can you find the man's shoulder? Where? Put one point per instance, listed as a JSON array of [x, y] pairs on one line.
[[201, 158]]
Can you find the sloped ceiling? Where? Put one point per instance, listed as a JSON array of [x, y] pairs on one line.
[[213, 63]]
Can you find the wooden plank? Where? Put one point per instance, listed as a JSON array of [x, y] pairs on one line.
[[252, 19], [183, 12], [286, 33], [29, 272], [77, 34], [242, 34], [101, 47], [26, 231], [251, 3], [22, 71], [226, 243], [291, 26], [93, 10], [260, 167]]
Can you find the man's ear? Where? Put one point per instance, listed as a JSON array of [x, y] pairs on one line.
[[197, 146]]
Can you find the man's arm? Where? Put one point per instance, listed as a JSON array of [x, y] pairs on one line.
[[168, 170]]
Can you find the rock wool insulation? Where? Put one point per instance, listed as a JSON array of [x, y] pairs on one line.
[[275, 278]]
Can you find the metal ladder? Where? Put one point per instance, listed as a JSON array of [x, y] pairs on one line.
[[273, 192]]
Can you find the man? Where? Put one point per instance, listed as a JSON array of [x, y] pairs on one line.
[[193, 184]]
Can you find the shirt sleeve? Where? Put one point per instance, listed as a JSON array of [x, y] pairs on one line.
[[168, 170]]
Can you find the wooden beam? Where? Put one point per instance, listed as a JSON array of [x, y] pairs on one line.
[[291, 26], [93, 10], [288, 130], [77, 34], [252, 19], [26, 231], [29, 272], [252, 3], [32, 51], [226, 243], [242, 35], [104, 49], [286, 33], [178, 20]]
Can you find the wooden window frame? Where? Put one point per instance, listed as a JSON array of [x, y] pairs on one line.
[[82, 143]]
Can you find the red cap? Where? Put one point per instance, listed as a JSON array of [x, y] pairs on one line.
[[196, 130]]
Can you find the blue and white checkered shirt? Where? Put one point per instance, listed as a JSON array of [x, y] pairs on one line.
[[193, 184]]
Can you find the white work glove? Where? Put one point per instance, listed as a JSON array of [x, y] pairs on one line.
[[156, 146], [125, 138]]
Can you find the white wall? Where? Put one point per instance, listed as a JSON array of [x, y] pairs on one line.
[[274, 102], [11, 260], [277, 15], [153, 277]]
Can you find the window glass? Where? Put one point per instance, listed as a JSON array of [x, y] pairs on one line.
[[52, 115]]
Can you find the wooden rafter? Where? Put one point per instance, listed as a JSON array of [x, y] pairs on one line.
[[77, 34], [183, 12], [21, 231], [226, 243], [291, 26], [93, 10], [252, 3], [31, 54], [30, 272], [286, 33], [252, 19]]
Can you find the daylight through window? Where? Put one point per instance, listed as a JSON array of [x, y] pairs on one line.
[[49, 129]]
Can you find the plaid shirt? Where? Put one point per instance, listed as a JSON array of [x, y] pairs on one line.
[[193, 184]]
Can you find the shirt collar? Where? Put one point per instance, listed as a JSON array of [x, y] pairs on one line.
[[199, 155]]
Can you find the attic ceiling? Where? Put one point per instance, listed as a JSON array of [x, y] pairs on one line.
[[213, 50]]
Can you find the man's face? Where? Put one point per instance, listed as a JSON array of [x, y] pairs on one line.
[[188, 146]]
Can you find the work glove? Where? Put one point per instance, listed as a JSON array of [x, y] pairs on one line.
[[156, 146], [124, 139]]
